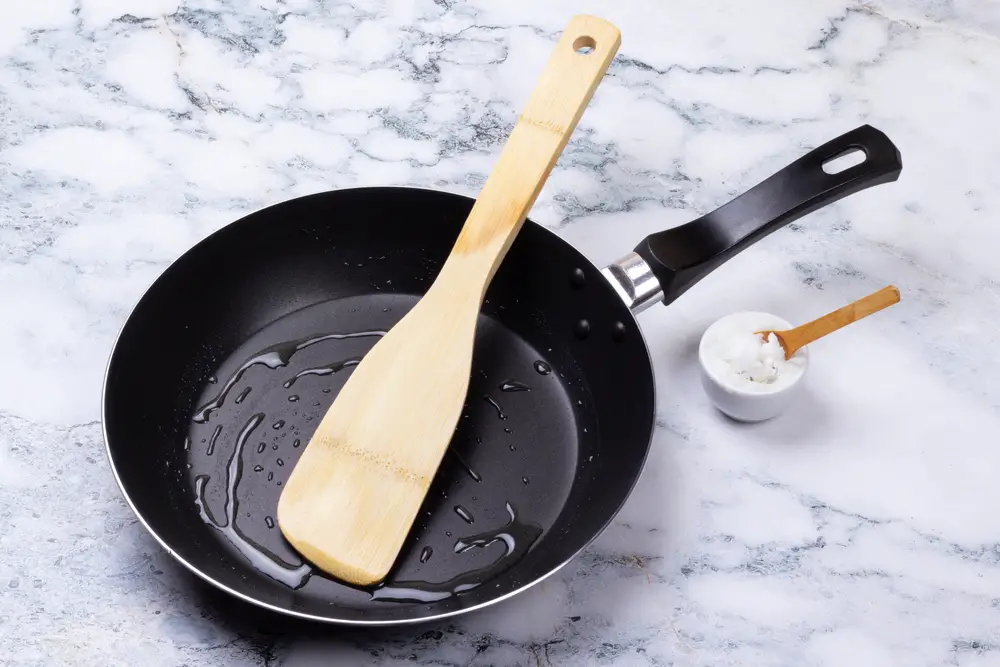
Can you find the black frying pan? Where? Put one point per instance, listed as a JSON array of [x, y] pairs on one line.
[[228, 361]]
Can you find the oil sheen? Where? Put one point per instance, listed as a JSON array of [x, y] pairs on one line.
[[480, 517]]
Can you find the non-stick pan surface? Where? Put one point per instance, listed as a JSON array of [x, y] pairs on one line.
[[230, 359], [227, 363]]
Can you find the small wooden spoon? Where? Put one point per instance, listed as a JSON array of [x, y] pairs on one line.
[[353, 495], [792, 340]]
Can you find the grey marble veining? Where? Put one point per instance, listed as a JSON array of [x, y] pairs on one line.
[[859, 529]]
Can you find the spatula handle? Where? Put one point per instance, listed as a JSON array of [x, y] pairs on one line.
[[581, 58], [801, 336]]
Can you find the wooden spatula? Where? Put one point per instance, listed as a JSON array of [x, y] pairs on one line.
[[353, 495], [792, 340]]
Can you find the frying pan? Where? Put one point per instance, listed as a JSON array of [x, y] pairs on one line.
[[228, 361]]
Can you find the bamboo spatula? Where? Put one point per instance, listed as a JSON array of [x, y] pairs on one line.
[[353, 495]]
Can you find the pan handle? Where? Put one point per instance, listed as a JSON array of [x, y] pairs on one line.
[[664, 265]]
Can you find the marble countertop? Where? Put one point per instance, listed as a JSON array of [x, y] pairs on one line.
[[862, 528]]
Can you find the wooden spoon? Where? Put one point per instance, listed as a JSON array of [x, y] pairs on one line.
[[794, 339], [353, 495]]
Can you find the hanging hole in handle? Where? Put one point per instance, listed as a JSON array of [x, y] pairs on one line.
[[584, 44], [843, 161]]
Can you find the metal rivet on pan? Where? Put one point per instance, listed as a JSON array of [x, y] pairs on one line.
[[618, 332], [578, 278], [582, 329]]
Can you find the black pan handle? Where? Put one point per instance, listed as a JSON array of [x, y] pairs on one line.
[[682, 256]]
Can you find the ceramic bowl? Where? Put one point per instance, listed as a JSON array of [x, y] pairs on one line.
[[740, 398]]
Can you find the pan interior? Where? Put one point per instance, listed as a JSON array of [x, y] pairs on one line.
[[504, 481], [228, 362]]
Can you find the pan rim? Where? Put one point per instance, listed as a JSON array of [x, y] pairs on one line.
[[329, 620]]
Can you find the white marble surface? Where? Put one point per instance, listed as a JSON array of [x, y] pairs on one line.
[[861, 529]]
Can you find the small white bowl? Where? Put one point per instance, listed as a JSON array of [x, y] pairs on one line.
[[737, 396]]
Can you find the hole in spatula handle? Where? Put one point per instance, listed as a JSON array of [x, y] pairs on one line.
[[584, 44], [845, 160]]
